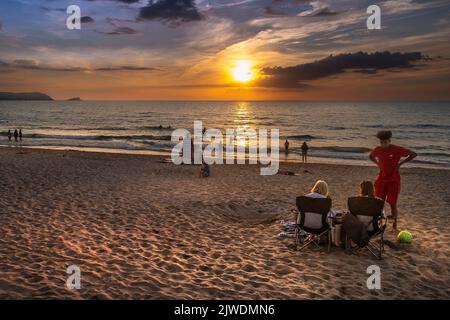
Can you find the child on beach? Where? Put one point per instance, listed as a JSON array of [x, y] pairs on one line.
[[304, 148], [204, 170], [388, 158]]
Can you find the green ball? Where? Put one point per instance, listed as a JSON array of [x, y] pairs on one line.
[[405, 237]]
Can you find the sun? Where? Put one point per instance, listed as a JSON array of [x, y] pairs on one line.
[[242, 72]]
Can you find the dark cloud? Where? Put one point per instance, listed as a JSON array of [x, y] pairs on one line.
[[324, 11], [123, 1], [272, 12], [362, 62], [87, 19], [25, 64], [125, 68], [112, 21], [172, 11], [48, 9], [318, 9], [128, 1], [34, 65], [121, 31]]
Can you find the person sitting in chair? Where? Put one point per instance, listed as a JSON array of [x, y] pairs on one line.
[[366, 189], [320, 190]]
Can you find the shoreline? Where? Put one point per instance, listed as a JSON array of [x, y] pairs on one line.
[[155, 153]]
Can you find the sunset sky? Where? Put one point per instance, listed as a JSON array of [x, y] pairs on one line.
[[227, 49]]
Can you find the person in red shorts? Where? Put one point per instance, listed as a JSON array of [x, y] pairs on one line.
[[389, 157]]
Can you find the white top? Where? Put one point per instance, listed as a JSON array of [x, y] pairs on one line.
[[316, 195]]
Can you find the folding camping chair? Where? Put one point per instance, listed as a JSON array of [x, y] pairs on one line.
[[313, 219], [370, 212]]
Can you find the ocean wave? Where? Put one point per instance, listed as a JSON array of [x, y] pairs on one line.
[[343, 149], [435, 154], [97, 137], [416, 126], [161, 128], [338, 128], [431, 162], [158, 145], [426, 125], [302, 137]]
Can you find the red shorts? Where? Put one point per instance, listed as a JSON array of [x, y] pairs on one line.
[[387, 190]]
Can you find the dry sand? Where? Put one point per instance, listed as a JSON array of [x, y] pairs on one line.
[[146, 230]]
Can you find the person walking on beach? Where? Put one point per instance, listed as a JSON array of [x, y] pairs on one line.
[[286, 146], [388, 158], [305, 148], [16, 135], [20, 135], [9, 135], [205, 172]]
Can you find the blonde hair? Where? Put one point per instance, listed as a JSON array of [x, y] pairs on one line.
[[320, 187]]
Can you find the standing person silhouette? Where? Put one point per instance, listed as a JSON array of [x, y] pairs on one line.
[[9, 135], [388, 158], [286, 146], [20, 134], [305, 148], [16, 135]]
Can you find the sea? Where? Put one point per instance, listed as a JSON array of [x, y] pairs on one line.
[[336, 132]]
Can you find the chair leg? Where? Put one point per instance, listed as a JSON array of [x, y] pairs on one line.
[[375, 250], [306, 243], [312, 239]]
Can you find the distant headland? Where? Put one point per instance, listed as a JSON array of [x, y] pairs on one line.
[[24, 96]]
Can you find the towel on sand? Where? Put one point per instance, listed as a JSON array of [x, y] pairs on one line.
[[288, 229]]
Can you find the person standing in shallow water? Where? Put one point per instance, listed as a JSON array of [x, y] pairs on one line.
[[286, 146], [20, 134], [16, 135], [388, 158], [305, 148], [9, 135]]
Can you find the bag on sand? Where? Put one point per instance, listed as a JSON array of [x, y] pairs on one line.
[[356, 230]]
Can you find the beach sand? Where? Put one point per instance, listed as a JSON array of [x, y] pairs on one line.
[[146, 230]]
